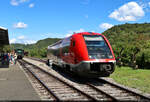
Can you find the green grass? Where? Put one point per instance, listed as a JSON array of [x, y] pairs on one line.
[[139, 79]]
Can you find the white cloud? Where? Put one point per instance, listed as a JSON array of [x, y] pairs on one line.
[[76, 31], [25, 41], [22, 39], [29, 41], [105, 26], [92, 31], [14, 3], [20, 25], [68, 35], [149, 4], [17, 2], [128, 12], [31, 5], [80, 30], [13, 40]]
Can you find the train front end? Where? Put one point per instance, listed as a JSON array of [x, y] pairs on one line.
[[20, 53], [94, 55]]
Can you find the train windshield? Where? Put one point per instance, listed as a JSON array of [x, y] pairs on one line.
[[97, 47]]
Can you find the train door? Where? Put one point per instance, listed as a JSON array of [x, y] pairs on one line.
[[72, 50]]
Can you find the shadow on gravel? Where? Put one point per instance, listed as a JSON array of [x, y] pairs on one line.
[[75, 78]]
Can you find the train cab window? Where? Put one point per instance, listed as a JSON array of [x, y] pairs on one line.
[[97, 47]]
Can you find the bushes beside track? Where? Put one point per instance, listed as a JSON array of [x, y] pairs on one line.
[[131, 44]]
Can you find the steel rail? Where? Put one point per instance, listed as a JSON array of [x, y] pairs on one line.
[[140, 96], [87, 95], [42, 83], [144, 98], [37, 59], [113, 99]]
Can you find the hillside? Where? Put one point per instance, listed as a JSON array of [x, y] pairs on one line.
[[39, 44], [131, 43], [38, 49], [45, 42]]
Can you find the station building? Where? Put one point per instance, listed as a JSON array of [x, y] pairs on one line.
[[4, 39], [4, 43]]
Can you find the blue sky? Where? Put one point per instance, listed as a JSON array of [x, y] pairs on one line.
[[28, 21]]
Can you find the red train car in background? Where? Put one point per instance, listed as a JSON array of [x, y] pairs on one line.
[[87, 54]]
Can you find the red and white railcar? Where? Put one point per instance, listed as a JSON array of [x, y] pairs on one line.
[[87, 54]]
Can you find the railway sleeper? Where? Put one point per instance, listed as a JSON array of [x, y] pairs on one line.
[[126, 98], [62, 92]]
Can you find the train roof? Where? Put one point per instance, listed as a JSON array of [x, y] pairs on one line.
[[86, 33], [81, 33], [4, 40]]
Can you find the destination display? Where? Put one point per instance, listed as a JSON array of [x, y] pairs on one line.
[[93, 38]]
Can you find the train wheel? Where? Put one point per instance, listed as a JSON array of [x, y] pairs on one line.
[[48, 62], [67, 67]]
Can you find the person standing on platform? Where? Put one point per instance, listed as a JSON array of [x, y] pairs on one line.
[[15, 58], [12, 59], [7, 58]]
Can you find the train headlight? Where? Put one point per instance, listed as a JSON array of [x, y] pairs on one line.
[[90, 56]]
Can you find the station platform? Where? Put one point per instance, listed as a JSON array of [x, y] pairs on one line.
[[14, 85]]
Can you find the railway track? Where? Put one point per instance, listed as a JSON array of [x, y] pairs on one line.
[[102, 90], [116, 92], [59, 89], [110, 90], [119, 93], [37, 59]]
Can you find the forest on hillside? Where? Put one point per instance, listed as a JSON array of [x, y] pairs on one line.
[[38, 49], [130, 43]]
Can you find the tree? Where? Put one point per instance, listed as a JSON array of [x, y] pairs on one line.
[[6, 48]]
